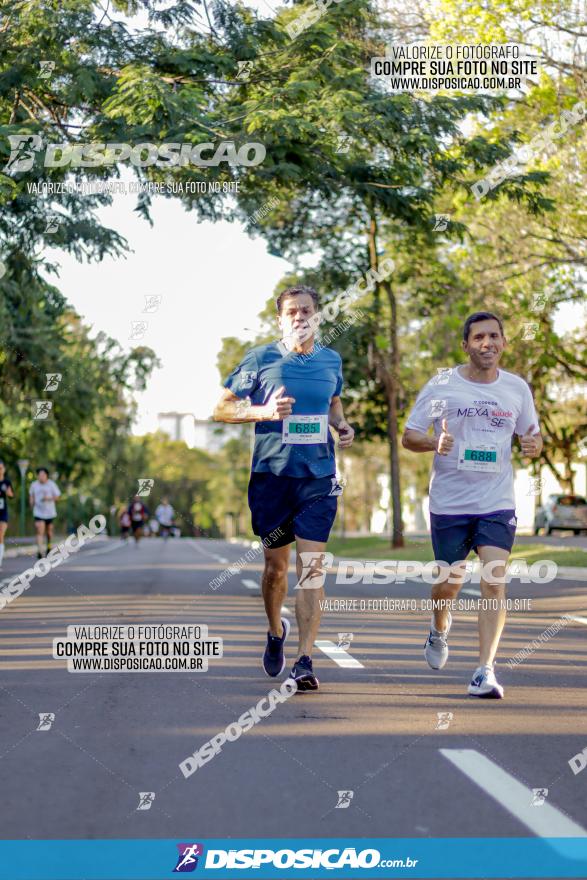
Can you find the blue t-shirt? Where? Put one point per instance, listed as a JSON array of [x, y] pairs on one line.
[[313, 379]]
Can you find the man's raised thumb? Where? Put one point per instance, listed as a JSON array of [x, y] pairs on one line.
[[445, 426], [530, 431]]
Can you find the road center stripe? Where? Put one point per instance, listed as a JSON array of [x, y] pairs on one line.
[[251, 585], [339, 655], [544, 821]]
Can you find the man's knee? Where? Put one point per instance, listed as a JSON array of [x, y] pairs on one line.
[[492, 589], [450, 578], [276, 569], [448, 589]]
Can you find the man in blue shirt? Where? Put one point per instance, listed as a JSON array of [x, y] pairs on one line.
[[291, 389]]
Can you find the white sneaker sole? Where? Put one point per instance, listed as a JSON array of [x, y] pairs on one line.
[[287, 627], [492, 693]]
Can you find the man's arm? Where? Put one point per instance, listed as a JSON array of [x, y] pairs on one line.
[[336, 418], [233, 409], [418, 441]]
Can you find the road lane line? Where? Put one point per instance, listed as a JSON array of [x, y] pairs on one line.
[[471, 591], [339, 655], [516, 798], [285, 610], [250, 585], [578, 619], [108, 549], [198, 549]]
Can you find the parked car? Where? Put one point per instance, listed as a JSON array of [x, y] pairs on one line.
[[562, 512]]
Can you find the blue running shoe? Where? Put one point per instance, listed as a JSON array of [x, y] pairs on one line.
[[303, 674], [274, 658]]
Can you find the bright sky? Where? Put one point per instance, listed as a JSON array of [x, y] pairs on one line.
[[213, 280]]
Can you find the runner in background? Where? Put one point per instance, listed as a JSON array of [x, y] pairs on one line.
[[6, 492], [138, 515], [42, 497], [125, 523], [165, 516]]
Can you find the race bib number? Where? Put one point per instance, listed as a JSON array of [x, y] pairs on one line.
[[482, 457], [305, 429]]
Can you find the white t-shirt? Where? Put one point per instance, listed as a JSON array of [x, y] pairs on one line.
[[43, 509], [482, 417], [165, 514]]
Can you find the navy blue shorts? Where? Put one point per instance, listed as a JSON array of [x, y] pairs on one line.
[[302, 506], [454, 536]]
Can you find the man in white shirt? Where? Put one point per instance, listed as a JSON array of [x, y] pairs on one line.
[[165, 514], [42, 496], [475, 409]]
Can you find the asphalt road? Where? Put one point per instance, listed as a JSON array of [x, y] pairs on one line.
[[372, 729]]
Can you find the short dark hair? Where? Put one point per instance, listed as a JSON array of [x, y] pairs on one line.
[[480, 316], [295, 291], [39, 469]]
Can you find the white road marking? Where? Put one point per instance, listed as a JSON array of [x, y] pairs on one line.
[[192, 543], [579, 619], [251, 585], [220, 559], [339, 655], [516, 798], [285, 610], [471, 591], [108, 549]]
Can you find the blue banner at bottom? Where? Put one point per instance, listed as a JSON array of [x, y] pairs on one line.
[[285, 858]]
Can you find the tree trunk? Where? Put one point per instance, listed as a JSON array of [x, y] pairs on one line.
[[397, 537], [388, 369]]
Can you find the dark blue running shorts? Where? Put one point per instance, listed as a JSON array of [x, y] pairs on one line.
[[302, 506], [454, 536]]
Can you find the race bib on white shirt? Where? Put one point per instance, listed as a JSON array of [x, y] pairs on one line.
[[305, 429], [483, 457]]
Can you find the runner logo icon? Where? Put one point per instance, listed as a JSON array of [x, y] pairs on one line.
[[187, 859]]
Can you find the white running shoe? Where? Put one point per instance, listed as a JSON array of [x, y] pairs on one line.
[[485, 684], [436, 648]]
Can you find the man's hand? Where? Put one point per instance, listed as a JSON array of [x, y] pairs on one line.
[[279, 406], [446, 441], [531, 443], [346, 434]]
